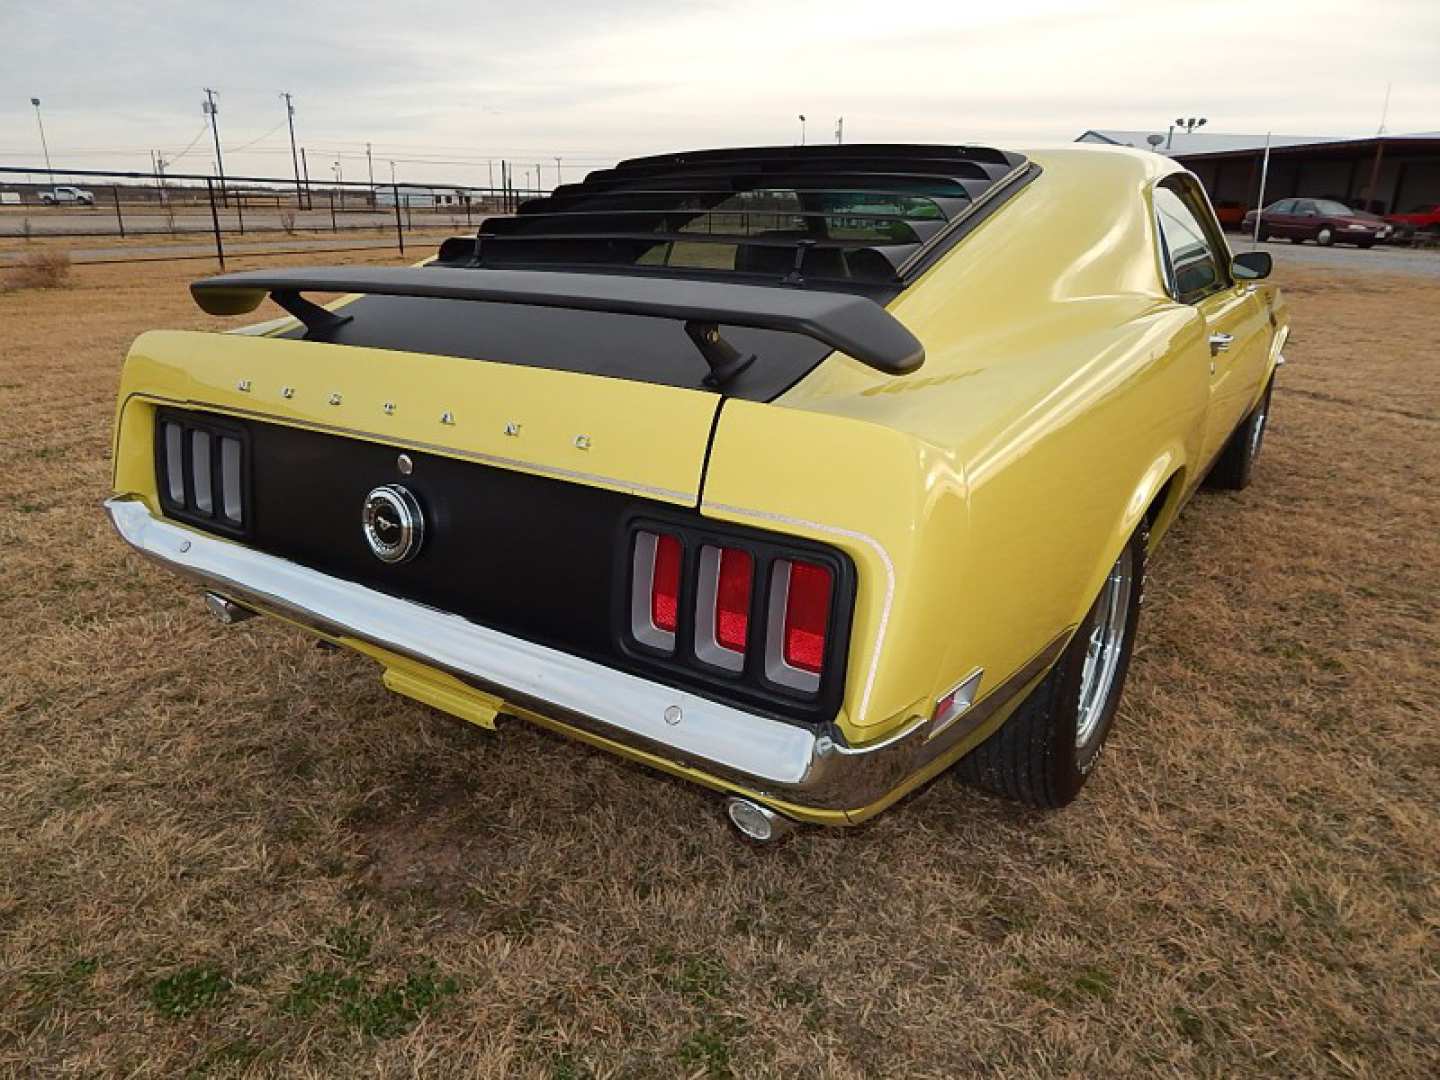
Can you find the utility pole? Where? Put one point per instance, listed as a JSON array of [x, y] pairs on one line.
[[43, 144], [392, 172], [157, 163], [208, 107], [294, 157], [557, 172], [802, 129], [371, 163], [839, 131], [305, 168]]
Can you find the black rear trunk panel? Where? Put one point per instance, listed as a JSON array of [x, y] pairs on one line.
[[524, 554]]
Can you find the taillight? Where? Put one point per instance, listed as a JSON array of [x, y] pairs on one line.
[[665, 585], [722, 606], [758, 617], [732, 599], [806, 616], [655, 589], [799, 619]]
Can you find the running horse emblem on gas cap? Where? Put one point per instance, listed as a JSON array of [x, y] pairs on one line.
[[393, 522]]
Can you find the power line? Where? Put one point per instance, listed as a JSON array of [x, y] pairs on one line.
[[252, 142], [176, 157]]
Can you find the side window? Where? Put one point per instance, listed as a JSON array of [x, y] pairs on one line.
[[1304, 206], [1284, 206], [1192, 258]]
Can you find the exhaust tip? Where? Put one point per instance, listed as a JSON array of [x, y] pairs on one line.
[[227, 611], [758, 823]]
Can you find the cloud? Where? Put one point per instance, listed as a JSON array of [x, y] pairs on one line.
[[443, 88]]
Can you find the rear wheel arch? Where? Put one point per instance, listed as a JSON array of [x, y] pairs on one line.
[[1164, 505]]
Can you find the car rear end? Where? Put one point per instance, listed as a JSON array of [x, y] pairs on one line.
[[569, 509]]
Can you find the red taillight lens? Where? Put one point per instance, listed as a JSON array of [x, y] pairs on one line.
[[665, 584], [807, 615], [732, 599]]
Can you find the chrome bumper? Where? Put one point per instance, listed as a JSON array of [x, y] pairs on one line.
[[784, 761]]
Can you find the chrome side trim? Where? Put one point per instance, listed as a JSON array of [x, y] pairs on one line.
[[780, 760]]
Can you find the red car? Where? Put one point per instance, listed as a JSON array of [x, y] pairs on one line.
[[1424, 218], [1323, 220]]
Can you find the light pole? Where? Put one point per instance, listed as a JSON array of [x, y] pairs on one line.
[[557, 172], [339, 176], [802, 129], [294, 157], [369, 161], [1189, 125], [839, 131], [43, 144]]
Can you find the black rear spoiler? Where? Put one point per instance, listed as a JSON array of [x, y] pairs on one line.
[[854, 325]]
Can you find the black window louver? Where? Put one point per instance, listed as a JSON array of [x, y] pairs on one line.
[[865, 216]]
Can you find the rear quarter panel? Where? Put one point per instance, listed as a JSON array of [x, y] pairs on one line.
[[985, 496]]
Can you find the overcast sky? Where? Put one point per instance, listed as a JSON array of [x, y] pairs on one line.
[[444, 87]]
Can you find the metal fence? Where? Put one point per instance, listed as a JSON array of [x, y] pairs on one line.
[[133, 209]]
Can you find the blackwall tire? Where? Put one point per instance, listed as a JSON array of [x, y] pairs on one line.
[[1236, 464], [1043, 754]]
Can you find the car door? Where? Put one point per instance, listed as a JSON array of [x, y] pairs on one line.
[[1279, 219], [1197, 264], [1307, 219]]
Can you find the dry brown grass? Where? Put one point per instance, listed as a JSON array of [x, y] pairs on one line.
[[229, 852], [38, 270]]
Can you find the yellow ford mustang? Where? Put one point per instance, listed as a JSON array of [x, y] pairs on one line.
[[804, 473]]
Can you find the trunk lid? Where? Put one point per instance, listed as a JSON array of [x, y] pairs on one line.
[[617, 434]]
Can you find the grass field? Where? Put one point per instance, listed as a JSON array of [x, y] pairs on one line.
[[229, 852]]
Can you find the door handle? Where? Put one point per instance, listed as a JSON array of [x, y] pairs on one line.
[[1220, 342]]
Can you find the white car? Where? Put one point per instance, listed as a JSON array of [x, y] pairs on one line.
[[65, 194]]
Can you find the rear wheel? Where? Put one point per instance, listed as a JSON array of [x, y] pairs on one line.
[[1236, 462], [1045, 751]]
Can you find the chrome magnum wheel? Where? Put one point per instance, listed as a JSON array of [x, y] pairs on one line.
[[1103, 649], [1045, 751]]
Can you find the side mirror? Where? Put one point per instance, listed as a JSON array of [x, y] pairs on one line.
[[1251, 265]]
